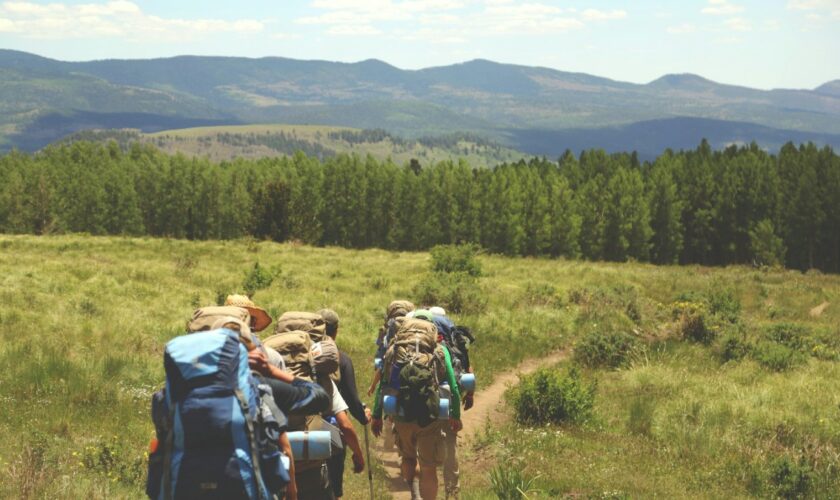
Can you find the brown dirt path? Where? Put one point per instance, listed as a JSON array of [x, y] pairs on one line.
[[488, 407]]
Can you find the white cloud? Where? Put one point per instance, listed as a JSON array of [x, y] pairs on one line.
[[348, 30], [681, 29], [738, 24], [600, 15], [817, 10], [116, 18], [452, 19], [721, 8]]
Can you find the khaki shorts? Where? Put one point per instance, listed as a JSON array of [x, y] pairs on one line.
[[426, 443]]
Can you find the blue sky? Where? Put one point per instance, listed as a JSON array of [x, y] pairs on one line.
[[764, 44]]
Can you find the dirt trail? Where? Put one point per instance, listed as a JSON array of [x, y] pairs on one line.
[[488, 407]]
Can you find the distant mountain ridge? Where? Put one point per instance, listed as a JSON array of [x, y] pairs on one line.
[[42, 99]]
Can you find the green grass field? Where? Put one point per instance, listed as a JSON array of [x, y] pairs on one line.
[[84, 321]]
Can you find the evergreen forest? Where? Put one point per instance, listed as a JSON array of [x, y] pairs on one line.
[[734, 206]]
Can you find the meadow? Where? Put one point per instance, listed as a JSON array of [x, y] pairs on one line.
[[746, 408]]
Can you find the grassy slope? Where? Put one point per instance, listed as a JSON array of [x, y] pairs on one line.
[[83, 323], [201, 141]]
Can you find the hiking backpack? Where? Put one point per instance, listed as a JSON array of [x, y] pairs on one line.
[[413, 368], [217, 430], [458, 340]]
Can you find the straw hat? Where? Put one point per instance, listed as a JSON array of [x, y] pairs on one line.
[[260, 318]]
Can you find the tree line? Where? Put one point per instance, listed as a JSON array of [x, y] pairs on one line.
[[738, 205]]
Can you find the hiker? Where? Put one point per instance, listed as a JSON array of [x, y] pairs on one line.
[[292, 395], [413, 365], [212, 415], [301, 339], [347, 388], [395, 313], [447, 333]]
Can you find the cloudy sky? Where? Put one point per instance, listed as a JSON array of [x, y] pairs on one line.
[[758, 43]]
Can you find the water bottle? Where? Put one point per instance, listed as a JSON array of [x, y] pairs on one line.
[[467, 382]]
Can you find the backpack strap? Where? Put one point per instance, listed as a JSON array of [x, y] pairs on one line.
[[167, 454], [249, 423]]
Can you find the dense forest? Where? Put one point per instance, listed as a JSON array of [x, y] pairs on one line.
[[739, 205]]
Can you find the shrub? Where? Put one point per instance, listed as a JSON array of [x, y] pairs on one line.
[[257, 279], [777, 357], [789, 335], [456, 259], [733, 347], [790, 478], [458, 293], [691, 322], [724, 303], [610, 349], [547, 396]]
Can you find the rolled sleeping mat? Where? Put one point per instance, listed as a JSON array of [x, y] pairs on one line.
[[467, 382], [390, 405], [443, 409], [377, 363], [310, 445], [286, 463]]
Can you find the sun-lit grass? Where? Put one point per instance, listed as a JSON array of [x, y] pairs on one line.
[[84, 321]]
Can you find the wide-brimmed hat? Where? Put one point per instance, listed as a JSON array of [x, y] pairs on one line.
[[260, 317]]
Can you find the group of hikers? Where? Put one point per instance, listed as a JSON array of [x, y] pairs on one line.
[[268, 418]]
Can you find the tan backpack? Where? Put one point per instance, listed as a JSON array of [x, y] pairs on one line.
[[205, 317], [311, 323], [295, 347]]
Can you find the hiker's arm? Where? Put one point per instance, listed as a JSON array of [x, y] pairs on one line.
[[348, 433], [455, 404], [286, 446], [258, 361], [349, 392], [377, 376], [299, 397]]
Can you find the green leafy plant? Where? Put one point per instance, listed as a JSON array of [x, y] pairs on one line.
[[548, 396], [510, 482], [456, 259]]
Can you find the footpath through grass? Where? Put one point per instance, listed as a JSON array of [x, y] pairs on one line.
[[84, 321]]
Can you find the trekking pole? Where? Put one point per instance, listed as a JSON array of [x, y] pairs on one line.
[[369, 463]]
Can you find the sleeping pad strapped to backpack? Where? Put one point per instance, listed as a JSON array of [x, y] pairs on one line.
[[414, 365], [217, 438]]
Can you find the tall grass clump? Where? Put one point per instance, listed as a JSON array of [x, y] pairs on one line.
[[551, 397], [608, 349], [509, 481]]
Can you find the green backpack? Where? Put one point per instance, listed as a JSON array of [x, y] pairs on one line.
[[414, 365]]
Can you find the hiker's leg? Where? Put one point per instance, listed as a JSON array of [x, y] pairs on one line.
[[388, 434], [406, 438], [428, 482], [335, 465], [431, 451], [450, 465]]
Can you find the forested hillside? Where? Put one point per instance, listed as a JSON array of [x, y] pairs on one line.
[[739, 205]]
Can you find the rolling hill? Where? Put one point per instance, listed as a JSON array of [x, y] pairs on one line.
[[43, 99]]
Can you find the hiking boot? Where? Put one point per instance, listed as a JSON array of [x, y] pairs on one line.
[[415, 489], [452, 494]]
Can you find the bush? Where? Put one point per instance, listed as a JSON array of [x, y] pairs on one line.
[[777, 357], [257, 279], [609, 349], [458, 293], [789, 335], [691, 322], [733, 347], [790, 478], [456, 259], [724, 303], [547, 396], [543, 294]]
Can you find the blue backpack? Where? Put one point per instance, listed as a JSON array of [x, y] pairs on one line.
[[215, 437]]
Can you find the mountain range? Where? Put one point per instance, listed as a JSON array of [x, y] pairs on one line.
[[533, 109]]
